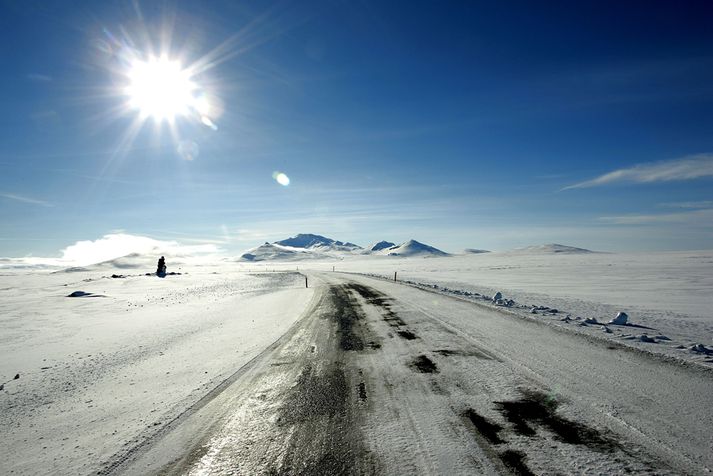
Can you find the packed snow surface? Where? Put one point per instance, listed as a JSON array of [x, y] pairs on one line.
[[128, 353], [124, 354]]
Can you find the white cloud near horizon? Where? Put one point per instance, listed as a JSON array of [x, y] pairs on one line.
[[20, 198], [116, 245], [684, 168]]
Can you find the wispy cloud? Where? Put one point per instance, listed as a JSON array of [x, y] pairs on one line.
[[684, 168], [20, 198], [694, 217], [689, 205], [39, 77]]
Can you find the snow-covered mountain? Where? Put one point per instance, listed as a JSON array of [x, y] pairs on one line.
[[309, 246], [317, 242], [380, 245], [552, 248], [413, 248], [273, 251]]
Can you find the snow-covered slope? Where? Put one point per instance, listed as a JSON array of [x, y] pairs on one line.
[[413, 248], [551, 248], [309, 246], [380, 245], [474, 251], [317, 242], [275, 252]]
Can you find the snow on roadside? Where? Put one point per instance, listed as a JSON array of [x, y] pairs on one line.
[[666, 295], [98, 370]]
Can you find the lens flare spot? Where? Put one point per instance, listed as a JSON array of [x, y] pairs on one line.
[[207, 122], [188, 150], [281, 178]]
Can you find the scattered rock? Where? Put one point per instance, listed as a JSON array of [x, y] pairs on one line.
[[2, 386], [606, 329], [566, 319], [533, 310], [661, 337], [645, 338], [78, 294], [498, 296], [117, 276], [17, 376], [591, 320], [701, 349], [620, 319]]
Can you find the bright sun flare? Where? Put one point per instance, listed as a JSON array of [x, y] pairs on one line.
[[160, 88]]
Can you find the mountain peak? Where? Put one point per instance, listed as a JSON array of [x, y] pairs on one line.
[[381, 245], [311, 241], [414, 248]]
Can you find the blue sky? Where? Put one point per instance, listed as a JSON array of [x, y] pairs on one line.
[[461, 124]]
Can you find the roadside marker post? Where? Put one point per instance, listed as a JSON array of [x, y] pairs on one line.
[[394, 275], [306, 282]]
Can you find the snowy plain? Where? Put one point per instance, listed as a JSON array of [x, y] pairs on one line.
[[98, 373], [95, 371], [667, 293]]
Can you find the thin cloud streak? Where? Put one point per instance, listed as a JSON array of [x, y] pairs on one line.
[[685, 168], [699, 204], [690, 218], [20, 198]]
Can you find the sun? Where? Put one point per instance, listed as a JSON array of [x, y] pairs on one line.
[[160, 88]]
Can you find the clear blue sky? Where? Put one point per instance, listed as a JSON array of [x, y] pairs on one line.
[[460, 124]]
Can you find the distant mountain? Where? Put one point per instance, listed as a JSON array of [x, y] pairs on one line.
[[413, 248], [381, 245], [552, 248], [309, 241], [309, 246], [474, 251], [275, 252]]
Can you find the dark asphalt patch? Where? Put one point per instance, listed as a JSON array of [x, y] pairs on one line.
[[485, 427], [347, 316], [323, 407], [424, 365], [362, 392], [376, 298], [470, 353], [515, 462], [407, 334], [538, 409], [316, 394]]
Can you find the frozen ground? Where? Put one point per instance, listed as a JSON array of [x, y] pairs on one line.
[[668, 292], [235, 366], [133, 356]]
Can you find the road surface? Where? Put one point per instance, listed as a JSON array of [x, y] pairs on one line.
[[383, 378]]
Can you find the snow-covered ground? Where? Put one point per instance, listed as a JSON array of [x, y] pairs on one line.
[[134, 353], [668, 292], [100, 372]]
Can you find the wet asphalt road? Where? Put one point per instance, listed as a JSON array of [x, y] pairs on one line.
[[365, 384]]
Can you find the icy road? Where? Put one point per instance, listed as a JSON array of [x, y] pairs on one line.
[[382, 378]]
